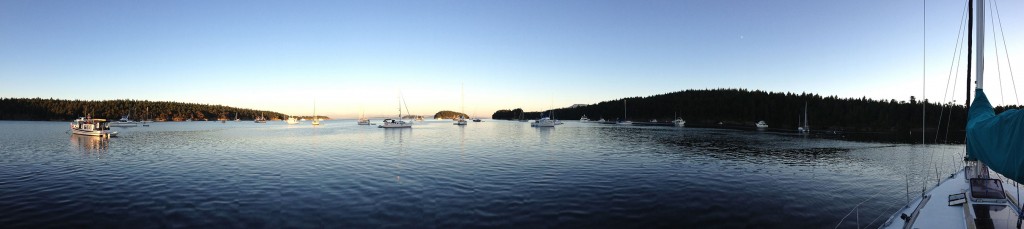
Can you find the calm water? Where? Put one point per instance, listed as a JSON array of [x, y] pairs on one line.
[[436, 175]]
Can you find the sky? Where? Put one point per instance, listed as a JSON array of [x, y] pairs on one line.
[[352, 57]]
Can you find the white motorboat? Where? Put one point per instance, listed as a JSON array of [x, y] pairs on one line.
[[92, 127], [584, 119], [364, 121], [124, 122], [292, 121], [761, 124], [461, 121], [477, 120]]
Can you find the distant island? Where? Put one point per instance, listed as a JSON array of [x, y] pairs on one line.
[[449, 115], [782, 111], [38, 109]]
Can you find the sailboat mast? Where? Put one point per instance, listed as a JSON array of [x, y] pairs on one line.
[[981, 44], [970, 51]]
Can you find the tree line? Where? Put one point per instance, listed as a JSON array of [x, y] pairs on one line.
[[782, 111], [39, 109]]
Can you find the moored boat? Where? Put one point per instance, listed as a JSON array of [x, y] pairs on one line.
[[92, 127]]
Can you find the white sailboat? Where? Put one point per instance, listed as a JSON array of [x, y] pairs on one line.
[[363, 121], [461, 121], [544, 122], [396, 123], [145, 118], [679, 121], [971, 197], [625, 120], [316, 119], [804, 128], [260, 119]]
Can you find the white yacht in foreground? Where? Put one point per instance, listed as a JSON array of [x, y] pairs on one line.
[[92, 127], [973, 197]]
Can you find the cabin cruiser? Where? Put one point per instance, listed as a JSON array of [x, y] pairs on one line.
[[761, 124], [364, 121], [584, 119], [92, 127], [124, 122]]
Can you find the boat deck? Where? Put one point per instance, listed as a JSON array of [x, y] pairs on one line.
[[936, 212]]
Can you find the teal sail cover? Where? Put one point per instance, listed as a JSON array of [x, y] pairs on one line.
[[996, 140]]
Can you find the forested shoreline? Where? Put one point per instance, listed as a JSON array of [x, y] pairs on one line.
[[38, 109], [782, 111]]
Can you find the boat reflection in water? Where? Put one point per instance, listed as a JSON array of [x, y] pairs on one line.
[[90, 144]]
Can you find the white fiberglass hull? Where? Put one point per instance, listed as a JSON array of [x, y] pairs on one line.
[[101, 133]]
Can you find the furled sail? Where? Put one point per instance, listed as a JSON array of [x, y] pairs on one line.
[[996, 140]]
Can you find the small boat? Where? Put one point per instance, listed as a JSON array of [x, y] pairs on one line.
[[260, 119], [124, 122], [92, 127], [292, 120], [392, 123], [364, 121], [461, 120], [804, 128], [584, 119], [761, 124], [477, 120], [543, 122], [679, 122], [145, 121], [236, 117], [624, 121]]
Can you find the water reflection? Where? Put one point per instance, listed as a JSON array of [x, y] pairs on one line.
[[90, 144], [545, 134]]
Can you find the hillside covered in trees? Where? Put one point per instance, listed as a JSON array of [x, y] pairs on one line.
[[449, 115], [63, 110], [782, 111]]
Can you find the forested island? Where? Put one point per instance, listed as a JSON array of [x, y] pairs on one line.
[[39, 109], [782, 111], [449, 115]]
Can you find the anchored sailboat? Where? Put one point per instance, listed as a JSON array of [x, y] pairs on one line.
[[396, 123]]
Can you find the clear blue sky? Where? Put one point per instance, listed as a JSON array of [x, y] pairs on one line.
[[355, 56]]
